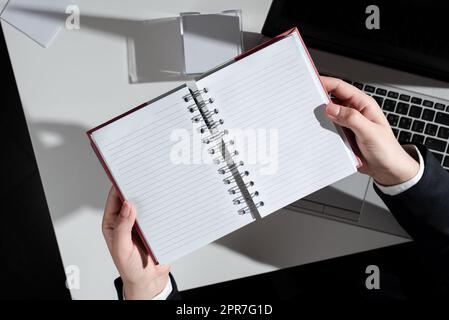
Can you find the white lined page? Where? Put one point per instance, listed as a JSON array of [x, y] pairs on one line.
[[276, 90], [180, 207]]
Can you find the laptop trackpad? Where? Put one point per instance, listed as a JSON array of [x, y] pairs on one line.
[[342, 199]]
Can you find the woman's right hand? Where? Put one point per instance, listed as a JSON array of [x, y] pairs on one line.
[[382, 156]]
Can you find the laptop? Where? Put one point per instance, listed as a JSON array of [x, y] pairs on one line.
[[393, 51]]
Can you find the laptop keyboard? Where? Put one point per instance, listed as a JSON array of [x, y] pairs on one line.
[[414, 118]]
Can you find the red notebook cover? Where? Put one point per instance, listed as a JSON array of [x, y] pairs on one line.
[[243, 55]]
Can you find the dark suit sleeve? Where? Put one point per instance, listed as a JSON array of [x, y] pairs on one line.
[[423, 211], [174, 295]]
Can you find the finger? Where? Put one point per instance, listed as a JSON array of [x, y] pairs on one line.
[[350, 118], [112, 207], [123, 229], [113, 202], [353, 97], [162, 270]]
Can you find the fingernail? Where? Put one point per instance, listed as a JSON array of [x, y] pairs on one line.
[[333, 109], [125, 210]]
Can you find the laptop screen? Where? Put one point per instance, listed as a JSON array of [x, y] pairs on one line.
[[408, 35]]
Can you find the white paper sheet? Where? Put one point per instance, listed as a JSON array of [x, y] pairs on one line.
[[40, 20]]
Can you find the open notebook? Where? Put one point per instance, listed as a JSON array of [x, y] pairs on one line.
[[243, 141]]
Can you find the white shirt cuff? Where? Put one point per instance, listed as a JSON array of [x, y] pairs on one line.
[[399, 188], [163, 295]]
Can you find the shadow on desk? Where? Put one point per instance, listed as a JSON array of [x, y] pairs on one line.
[[73, 175]]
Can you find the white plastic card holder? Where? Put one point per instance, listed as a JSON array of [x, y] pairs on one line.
[[209, 40]]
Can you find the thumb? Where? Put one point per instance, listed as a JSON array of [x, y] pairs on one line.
[[349, 118], [123, 230], [162, 270]]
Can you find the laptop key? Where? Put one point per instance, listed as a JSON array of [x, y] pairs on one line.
[[404, 97], [428, 103], [405, 123], [446, 161], [381, 92], [442, 118], [438, 156], [439, 106], [379, 100], [443, 132], [393, 119], [402, 108], [369, 88], [416, 100], [431, 129], [418, 126], [358, 85], [395, 132], [428, 115], [415, 112], [417, 138], [389, 105], [404, 137], [435, 144], [393, 94]]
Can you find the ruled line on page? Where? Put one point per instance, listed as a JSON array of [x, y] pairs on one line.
[[143, 157], [182, 235], [137, 130], [186, 223], [172, 188], [192, 197], [202, 234], [260, 76]]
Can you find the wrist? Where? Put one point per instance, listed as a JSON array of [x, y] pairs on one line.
[[403, 168], [143, 291]]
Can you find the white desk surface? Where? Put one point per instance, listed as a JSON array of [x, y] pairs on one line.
[[81, 81]]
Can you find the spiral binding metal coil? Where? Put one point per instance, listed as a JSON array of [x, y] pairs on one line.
[[236, 189], [231, 179], [215, 136], [220, 146], [194, 94], [228, 168], [225, 156], [221, 159], [241, 199], [247, 209]]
